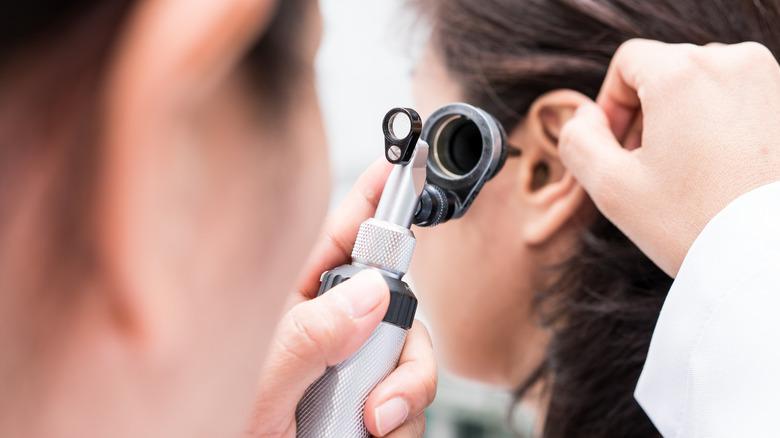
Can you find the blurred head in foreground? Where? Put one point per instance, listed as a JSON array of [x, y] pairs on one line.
[[162, 169]]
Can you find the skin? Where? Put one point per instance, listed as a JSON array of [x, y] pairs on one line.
[[477, 275], [686, 160], [173, 335], [671, 157]]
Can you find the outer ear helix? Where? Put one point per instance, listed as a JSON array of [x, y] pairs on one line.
[[551, 111], [553, 119], [558, 203]]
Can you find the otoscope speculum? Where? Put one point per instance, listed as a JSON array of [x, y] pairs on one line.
[[467, 148]]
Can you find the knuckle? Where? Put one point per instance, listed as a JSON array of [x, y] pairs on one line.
[[629, 46], [681, 61], [425, 385], [310, 334], [689, 49], [735, 60], [624, 48], [755, 51], [626, 51], [370, 196], [297, 340], [430, 386], [422, 387], [420, 330], [413, 428], [418, 425], [689, 58], [341, 244], [753, 54]]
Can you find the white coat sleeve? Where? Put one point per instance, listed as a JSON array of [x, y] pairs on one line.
[[713, 367]]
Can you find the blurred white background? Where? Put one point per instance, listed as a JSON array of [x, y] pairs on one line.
[[364, 68]]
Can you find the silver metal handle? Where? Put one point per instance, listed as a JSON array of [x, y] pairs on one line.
[[333, 406]]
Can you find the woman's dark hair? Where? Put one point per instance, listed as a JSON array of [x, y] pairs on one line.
[[603, 305]]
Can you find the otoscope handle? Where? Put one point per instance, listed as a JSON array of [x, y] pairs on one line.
[[333, 405]]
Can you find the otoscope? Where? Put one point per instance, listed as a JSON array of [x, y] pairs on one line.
[[439, 170]]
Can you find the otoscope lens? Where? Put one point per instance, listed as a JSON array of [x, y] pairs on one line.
[[467, 147], [464, 148], [458, 146]]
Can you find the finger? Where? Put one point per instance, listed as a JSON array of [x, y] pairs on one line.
[[590, 151], [408, 390], [619, 96], [334, 248], [414, 428], [319, 333]]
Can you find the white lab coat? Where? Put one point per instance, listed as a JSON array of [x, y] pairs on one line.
[[713, 368]]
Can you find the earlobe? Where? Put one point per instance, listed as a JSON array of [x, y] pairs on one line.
[[554, 205], [550, 191]]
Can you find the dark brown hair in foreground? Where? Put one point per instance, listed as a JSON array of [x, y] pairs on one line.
[[602, 309]]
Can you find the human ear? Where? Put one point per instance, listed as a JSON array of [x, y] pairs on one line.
[[550, 192], [168, 60]]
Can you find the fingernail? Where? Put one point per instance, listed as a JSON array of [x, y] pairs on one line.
[[391, 415], [363, 292]]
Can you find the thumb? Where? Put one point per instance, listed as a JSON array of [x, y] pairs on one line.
[[590, 151], [319, 333]]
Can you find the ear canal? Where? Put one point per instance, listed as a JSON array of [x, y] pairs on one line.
[[540, 176]]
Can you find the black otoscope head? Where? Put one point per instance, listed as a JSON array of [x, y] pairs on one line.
[[467, 148]]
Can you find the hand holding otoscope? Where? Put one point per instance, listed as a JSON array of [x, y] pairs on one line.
[[439, 170]]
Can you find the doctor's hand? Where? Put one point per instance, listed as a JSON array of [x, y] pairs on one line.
[[678, 132], [323, 331]]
